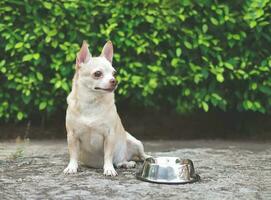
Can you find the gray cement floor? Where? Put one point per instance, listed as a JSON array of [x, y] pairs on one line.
[[229, 170]]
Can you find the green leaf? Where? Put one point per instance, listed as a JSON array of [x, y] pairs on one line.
[[39, 76], [252, 24], [174, 62], [27, 57], [65, 86], [153, 83], [3, 70], [47, 5], [216, 96], [52, 32], [247, 104], [36, 56], [205, 106], [254, 86], [178, 51], [236, 37], [20, 115], [228, 65], [205, 28], [2, 63], [219, 78], [186, 92], [47, 39], [214, 21], [150, 19], [42, 105], [18, 45], [188, 45], [58, 84]]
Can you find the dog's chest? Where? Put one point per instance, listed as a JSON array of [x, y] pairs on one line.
[[85, 117], [90, 121], [92, 124], [93, 128]]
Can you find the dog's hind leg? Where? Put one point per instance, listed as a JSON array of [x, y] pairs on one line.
[[126, 164], [135, 149]]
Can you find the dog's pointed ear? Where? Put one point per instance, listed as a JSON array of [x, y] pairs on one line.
[[83, 55], [107, 51]]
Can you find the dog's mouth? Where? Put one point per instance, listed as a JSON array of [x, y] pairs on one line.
[[106, 89]]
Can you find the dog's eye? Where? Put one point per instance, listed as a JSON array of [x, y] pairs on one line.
[[97, 74]]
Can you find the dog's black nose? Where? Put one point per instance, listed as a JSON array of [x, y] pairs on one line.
[[113, 81]]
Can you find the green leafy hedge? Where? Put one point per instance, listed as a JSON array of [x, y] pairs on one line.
[[197, 54]]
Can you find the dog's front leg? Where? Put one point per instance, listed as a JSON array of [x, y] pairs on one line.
[[109, 169], [73, 145]]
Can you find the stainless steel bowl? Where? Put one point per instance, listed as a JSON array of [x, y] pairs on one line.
[[168, 170]]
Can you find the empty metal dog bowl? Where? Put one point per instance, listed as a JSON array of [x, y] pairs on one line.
[[168, 170]]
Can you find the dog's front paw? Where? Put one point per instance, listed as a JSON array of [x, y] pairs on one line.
[[71, 168], [110, 171]]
